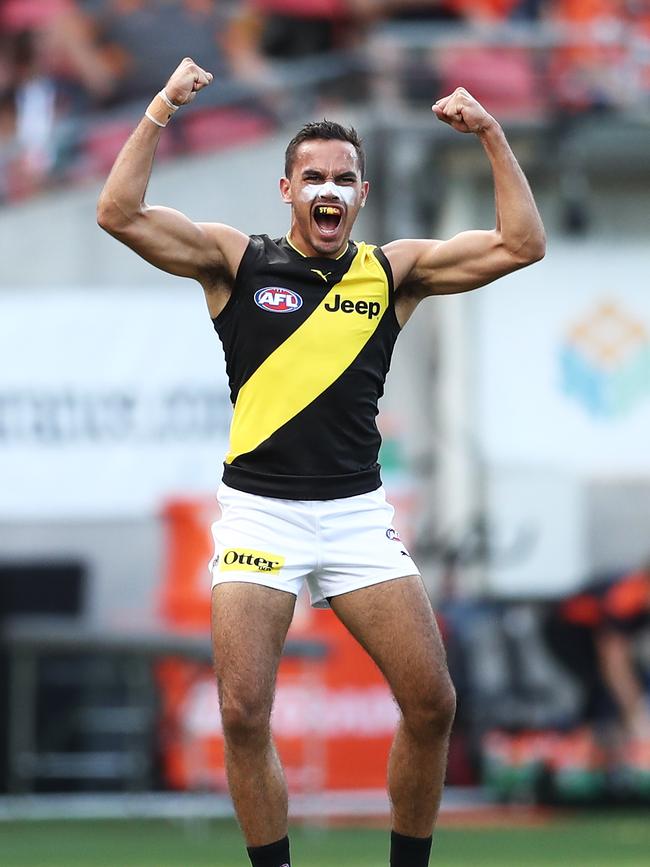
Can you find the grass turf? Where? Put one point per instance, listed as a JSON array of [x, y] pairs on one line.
[[598, 841]]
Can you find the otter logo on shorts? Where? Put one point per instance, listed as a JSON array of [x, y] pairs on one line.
[[245, 560]]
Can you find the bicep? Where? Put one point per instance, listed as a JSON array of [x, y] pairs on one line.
[[464, 262], [172, 242]]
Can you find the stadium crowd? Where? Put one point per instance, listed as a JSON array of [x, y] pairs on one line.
[[67, 67]]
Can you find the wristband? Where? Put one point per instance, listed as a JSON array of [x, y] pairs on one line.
[[171, 105], [161, 109]]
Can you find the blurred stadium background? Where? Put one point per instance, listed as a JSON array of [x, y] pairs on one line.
[[516, 429]]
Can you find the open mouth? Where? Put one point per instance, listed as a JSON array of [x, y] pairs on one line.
[[328, 218]]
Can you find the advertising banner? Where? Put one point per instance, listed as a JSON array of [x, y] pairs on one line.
[[110, 401], [563, 362], [562, 368]]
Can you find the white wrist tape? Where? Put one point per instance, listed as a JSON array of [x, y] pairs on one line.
[[161, 109], [171, 105], [153, 119]]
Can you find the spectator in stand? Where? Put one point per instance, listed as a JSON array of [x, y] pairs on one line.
[[27, 118], [528, 10], [49, 67], [64, 43], [461, 10], [400, 71], [418, 10], [287, 29], [479, 11], [593, 634], [503, 75], [597, 67], [144, 38], [489, 11]]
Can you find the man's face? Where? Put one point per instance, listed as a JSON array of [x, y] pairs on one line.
[[325, 192]]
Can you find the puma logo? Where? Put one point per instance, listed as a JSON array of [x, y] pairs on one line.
[[322, 274]]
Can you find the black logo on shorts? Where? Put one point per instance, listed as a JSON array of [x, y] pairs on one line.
[[246, 560]]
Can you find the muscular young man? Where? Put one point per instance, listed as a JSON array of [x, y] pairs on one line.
[[308, 324]]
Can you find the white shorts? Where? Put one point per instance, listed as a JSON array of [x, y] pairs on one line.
[[335, 545]]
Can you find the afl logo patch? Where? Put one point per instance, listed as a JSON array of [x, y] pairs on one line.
[[277, 300]]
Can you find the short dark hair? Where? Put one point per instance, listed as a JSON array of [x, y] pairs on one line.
[[327, 130]]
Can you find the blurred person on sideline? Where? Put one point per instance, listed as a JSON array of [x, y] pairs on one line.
[[142, 39], [308, 323], [592, 633]]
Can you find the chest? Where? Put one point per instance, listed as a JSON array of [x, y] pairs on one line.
[[277, 300]]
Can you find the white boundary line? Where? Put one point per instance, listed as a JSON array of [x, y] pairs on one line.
[[168, 805]]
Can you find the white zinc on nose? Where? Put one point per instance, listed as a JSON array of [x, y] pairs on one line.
[[331, 190]]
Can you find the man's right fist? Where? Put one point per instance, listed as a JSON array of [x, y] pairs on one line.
[[185, 81]]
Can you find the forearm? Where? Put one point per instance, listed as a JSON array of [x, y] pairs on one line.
[[163, 236], [517, 218], [618, 672], [122, 198]]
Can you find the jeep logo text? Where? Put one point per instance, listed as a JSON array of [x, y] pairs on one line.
[[345, 305]]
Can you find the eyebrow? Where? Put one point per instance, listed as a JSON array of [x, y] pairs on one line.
[[348, 173]]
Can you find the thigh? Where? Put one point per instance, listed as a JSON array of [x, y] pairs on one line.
[[394, 622], [249, 627]]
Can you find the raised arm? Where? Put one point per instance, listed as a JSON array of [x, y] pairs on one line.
[[474, 258], [208, 252]]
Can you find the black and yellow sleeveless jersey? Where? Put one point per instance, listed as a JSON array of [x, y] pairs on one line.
[[308, 343]]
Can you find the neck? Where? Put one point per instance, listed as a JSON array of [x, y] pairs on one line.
[[299, 247]]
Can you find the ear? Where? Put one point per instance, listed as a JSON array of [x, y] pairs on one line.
[[285, 190], [365, 189]]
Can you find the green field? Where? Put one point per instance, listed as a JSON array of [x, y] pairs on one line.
[[581, 842]]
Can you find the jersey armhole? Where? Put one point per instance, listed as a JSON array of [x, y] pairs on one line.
[[252, 251], [382, 258]]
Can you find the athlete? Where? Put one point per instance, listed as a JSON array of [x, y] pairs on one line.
[[308, 324]]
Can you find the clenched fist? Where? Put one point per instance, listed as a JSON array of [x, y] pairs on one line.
[[186, 80], [461, 111]]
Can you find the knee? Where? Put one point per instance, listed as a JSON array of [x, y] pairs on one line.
[[430, 713], [245, 720]]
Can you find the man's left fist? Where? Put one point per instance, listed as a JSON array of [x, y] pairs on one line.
[[461, 111]]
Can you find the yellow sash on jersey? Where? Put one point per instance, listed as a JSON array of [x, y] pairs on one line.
[[311, 358]]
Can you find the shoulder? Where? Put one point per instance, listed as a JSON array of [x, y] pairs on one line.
[[404, 256], [230, 243]]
